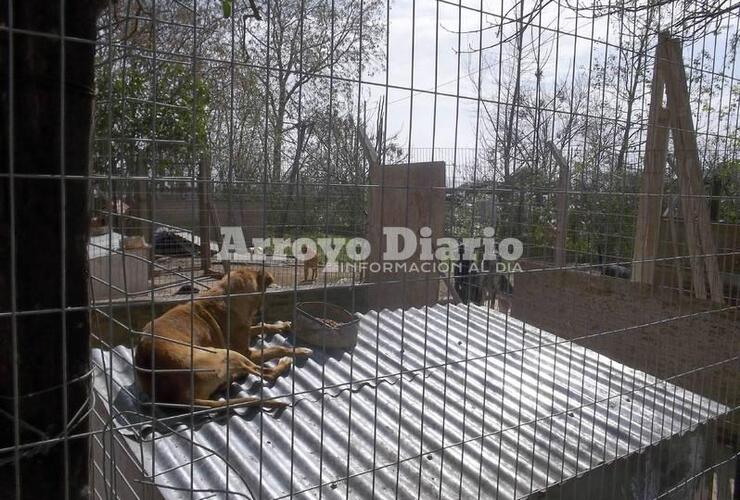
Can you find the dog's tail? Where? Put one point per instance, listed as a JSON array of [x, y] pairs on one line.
[[240, 403]]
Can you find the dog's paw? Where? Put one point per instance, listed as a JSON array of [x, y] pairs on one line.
[[303, 351], [285, 361], [283, 326]]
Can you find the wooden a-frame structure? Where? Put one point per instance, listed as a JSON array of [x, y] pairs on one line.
[[669, 80]]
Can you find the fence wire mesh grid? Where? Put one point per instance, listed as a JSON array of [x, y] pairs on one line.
[[369, 249]]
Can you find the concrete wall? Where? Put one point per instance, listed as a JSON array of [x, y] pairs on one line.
[[181, 209], [113, 467], [651, 472], [111, 322], [108, 275]]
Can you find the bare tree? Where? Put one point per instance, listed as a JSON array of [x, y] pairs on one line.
[[304, 42]]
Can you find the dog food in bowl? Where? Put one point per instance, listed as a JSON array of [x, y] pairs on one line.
[[321, 324], [330, 322]]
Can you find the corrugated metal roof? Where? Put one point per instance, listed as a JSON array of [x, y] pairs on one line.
[[485, 404]]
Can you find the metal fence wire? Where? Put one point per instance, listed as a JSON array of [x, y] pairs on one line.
[[369, 249]]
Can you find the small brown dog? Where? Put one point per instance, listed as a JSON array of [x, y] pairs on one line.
[[310, 265], [167, 352]]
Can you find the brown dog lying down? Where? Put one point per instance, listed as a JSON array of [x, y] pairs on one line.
[[170, 346]]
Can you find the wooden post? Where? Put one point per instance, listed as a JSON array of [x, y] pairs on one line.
[[204, 182], [714, 202], [695, 211], [647, 227], [409, 195], [669, 77], [671, 213], [562, 205]]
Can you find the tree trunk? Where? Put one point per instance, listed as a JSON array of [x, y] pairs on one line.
[[294, 171], [277, 131], [632, 95], [45, 266], [277, 152], [514, 104]]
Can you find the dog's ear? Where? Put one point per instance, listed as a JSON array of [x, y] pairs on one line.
[[231, 282], [265, 279]]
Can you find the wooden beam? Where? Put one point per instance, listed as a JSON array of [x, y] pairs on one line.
[[671, 213], [699, 236], [562, 205], [412, 196], [647, 227]]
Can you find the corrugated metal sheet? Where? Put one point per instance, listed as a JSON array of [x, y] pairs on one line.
[[485, 405]]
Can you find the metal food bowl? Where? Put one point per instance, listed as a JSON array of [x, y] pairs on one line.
[[311, 325]]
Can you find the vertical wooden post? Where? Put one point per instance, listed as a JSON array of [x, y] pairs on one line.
[[669, 76], [714, 202], [695, 211], [409, 195], [647, 227], [562, 205], [671, 212], [204, 182]]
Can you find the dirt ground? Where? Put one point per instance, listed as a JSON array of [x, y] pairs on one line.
[[695, 344]]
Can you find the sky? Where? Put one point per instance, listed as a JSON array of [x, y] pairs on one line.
[[457, 72], [434, 27]]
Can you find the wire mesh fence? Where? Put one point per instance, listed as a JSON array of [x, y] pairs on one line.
[[369, 248]]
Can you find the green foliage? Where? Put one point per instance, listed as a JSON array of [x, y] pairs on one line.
[[136, 107], [226, 6], [728, 173]]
